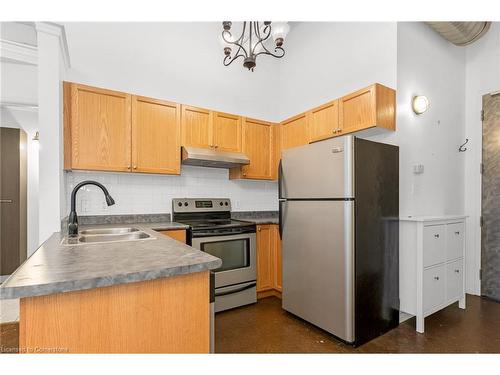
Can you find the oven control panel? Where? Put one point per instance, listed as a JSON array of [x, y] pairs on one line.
[[200, 205]]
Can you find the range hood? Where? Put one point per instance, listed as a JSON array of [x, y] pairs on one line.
[[204, 157]]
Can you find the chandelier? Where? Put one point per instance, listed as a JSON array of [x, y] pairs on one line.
[[252, 42]]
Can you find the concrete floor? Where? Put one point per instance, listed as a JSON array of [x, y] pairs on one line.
[[266, 328]]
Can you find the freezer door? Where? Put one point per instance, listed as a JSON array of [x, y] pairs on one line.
[[318, 264], [319, 170]]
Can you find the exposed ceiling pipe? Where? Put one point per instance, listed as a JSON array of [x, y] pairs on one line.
[[460, 33]]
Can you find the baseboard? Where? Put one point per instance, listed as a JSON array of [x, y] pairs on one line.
[[269, 293]]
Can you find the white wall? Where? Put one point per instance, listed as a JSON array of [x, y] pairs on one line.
[[142, 193], [181, 62], [429, 65], [482, 77], [325, 60]]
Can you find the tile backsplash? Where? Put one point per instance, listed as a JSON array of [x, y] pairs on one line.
[[136, 193]]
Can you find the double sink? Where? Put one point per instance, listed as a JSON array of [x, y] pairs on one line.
[[102, 235]]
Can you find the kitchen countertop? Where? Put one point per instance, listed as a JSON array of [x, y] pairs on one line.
[[57, 268], [257, 217], [262, 220]]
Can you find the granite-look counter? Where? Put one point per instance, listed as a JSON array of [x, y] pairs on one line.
[[257, 217], [56, 268]]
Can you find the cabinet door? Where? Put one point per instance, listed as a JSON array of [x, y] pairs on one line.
[[257, 145], [454, 280], [227, 132], [323, 122], [196, 127], [434, 291], [434, 245], [156, 136], [357, 110], [100, 128], [277, 259], [294, 132], [176, 234], [276, 147], [264, 258], [455, 241]]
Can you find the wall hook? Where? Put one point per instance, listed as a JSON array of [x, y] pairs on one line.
[[462, 148]]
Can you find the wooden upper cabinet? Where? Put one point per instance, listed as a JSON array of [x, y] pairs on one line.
[[323, 121], [257, 145], [373, 106], [226, 132], [156, 136], [294, 132], [265, 264], [196, 127], [97, 128]]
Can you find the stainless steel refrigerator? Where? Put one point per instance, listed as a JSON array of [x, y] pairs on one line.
[[339, 208]]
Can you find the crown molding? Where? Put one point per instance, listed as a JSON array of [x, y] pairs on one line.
[[59, 32], [18, 52]]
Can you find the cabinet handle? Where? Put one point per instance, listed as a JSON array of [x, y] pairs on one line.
[[334, 131], [436, 277], [259, 229], [457, 232], [135, 166], [129, 166], [436, 235], [216, 146], [457, 271]]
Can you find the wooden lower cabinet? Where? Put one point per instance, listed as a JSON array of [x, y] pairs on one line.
[[166, 315], [268, 260], [176, 234]]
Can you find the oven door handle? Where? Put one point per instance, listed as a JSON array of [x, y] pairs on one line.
[[241, 289]]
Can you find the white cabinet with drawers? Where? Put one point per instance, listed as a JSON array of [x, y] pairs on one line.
[[431, 264]]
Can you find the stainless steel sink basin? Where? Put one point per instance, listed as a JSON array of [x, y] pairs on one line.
[[106, 238], [109, 231]]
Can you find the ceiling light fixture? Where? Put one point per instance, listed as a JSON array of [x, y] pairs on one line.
[[420, 104], [252, 41]]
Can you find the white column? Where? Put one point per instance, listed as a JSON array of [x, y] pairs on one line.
[[51, 187]]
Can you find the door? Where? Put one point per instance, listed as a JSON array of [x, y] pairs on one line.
[[265, 264], [238, 255], [490, 231], [318, 268], [13, 209], [257, 145], [294, 132], [323, 122], [156, 136], [100, 129], [319, 170], [227, 132], [196, 127]]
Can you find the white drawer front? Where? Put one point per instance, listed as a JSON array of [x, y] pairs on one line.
[[454, 240], [434, 243], [454, 279], [434, 292]]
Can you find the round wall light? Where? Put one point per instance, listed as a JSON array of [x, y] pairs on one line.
[[420, 104]]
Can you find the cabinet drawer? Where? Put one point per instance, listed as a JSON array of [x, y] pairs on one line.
[[454, 279], [454, 240], [434, 243], [434, 290]]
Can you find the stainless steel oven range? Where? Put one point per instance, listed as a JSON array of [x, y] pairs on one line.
[[233, 241]]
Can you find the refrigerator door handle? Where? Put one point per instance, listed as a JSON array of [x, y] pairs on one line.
[[280, 218], [280, 180]]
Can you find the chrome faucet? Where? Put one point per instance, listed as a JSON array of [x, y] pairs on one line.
[[73, 218]]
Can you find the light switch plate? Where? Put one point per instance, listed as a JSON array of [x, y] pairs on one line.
[[418, 169]]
